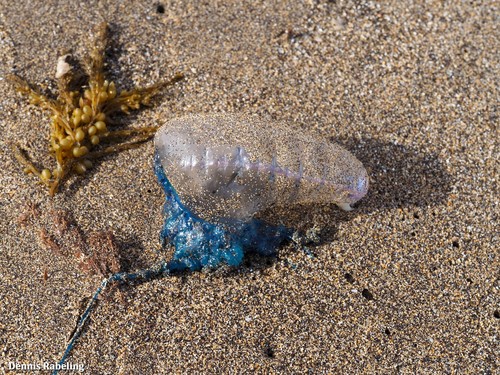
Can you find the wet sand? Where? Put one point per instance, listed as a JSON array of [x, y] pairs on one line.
[[407, 283]]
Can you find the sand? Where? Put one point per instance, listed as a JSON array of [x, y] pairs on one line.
[[407, 283]]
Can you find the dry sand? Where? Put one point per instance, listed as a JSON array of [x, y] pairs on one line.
[[407, 283]]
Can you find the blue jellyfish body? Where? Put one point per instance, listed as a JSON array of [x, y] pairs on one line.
[[200, 244]]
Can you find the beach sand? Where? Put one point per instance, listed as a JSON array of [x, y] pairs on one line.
[[407, 283]]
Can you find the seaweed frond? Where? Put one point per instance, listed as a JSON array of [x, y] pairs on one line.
[[82, 112]]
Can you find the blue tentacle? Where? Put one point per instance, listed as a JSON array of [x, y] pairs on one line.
[[198, 244]]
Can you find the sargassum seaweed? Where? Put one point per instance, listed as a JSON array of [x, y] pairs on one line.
[[82, 112]]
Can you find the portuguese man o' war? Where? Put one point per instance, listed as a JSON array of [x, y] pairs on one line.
[[219, 172]]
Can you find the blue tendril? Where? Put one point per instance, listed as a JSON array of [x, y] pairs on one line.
[[198, 244]]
